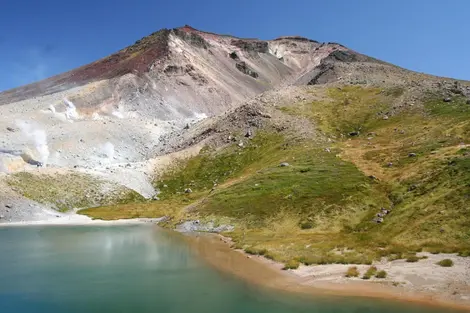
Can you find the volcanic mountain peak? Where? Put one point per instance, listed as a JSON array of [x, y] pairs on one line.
[[167, 80], [294, 54]]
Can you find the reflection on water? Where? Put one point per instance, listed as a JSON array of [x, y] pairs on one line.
[[135, 269]]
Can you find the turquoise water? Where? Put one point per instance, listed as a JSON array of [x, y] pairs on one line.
[[137, 269]]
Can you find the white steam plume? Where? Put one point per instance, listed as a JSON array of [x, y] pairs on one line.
[[200, 116], [38, 137], [96, 116], [117, 114], [71, 111], [108, 150]]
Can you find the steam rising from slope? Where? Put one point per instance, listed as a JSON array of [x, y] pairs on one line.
[[38, 137], [71, 111], [108, 150]]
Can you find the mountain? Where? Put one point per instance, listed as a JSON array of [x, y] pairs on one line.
[[126, 102], [306, 152], [223, 70]]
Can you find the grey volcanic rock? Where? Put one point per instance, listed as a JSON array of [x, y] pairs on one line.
[[197, 226]]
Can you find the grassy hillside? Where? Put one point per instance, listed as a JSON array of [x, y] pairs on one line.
[[382, 153], [70, 190]]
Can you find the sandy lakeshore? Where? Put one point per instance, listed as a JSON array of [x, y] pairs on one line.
[[423, 282]]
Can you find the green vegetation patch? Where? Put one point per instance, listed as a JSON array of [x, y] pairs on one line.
[[381, 274], [68, 191], [348, 109], [210, 168], [315, 183], [415, 258], [446, 263], [291, 265], [371, 271], [456, 109], [352, 272]]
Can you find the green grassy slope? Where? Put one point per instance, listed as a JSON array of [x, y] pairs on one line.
[[409, 159], [70, 190]]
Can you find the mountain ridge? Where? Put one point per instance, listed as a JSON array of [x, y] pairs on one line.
[[136, 59]]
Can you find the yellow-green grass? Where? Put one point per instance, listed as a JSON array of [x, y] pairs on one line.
[[70, 190], [371, 271], [320, 208], [352, 272]]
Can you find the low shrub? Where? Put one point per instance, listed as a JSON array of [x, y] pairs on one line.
[[412, 259], [291, 265], [255, 251], [446, 263], [370, 272], [352, 272], [269, 256], [306, 225], [381, 274]]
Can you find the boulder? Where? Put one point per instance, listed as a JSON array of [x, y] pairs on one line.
[[379, 220], [284, 164], [412, 155], [353, 134], [245, 69], [188, 190], [447, 99], [233, 56]]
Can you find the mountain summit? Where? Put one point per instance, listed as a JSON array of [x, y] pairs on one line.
[[203, 68]]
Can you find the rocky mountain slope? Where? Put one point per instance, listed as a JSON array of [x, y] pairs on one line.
[[162, 82], [108, 118], [289, 137]]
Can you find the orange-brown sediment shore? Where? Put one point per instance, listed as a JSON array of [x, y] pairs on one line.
[[257, 270]]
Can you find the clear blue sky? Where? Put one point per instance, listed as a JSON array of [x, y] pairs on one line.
[[40, 38]]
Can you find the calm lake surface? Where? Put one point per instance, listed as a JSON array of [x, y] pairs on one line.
[[138, 269]]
